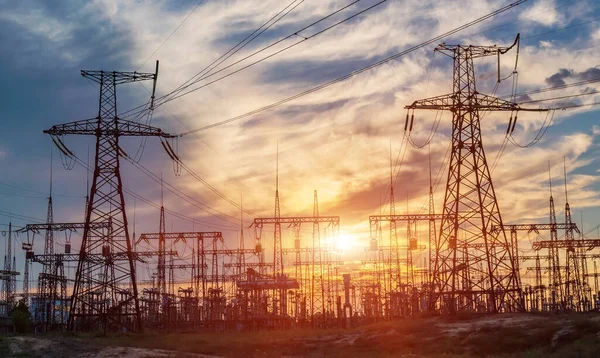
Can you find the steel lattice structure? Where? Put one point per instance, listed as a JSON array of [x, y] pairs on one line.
[[317, 264], [99, 300], [480, 277]]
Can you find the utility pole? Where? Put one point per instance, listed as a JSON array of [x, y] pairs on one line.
[[99, 300]]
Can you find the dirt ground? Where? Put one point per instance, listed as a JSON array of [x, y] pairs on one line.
[[62, 347], [510, 335]]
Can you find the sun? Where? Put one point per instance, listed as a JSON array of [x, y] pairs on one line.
[[347, 242]]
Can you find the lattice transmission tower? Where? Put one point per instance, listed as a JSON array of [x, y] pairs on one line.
[[105, 294], [474, 268]]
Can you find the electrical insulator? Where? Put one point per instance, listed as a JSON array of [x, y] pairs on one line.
[[452, 243], [412, 243], [297, 244], [258, 248], [67, 248], [105, 250]]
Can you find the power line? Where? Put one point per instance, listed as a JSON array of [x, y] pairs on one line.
[[521, 19], [361, 70], [168, 97], [20, 216], [267, 57], [38, 192], [181, 194], [172, 33], [560, 29], [576, 106], [149, 202], [232, 51], [213, 189], [553, 88], [23, 196], [560, 97], [295, 34], [248, 39]]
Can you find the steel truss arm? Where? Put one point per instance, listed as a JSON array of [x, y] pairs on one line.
[[324, 262], [389, 248], [565, 244], [408, 217], [482, 101], [248, 264], [181, 236], [119, 127], [296, 220], [307, 249], [230, 252], [538, 227], [97, 258], [64, 226]]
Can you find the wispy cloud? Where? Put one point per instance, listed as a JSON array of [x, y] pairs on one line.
[[337, 139]]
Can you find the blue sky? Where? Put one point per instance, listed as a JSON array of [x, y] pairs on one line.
[[335, 140]]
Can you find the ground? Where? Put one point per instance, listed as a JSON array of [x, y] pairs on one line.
[[510, 335]]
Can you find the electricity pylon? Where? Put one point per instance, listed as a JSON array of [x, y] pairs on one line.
[[101, 296], [395, 281], [477, 273]]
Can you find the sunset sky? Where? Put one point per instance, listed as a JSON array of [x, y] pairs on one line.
[[335, 140]]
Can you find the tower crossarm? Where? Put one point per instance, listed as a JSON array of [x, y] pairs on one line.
[[399, 247], [118, 76], [406, 217], [587, 256], [307, 250], [482, 101], [181, 266], [324, 262], [378, 262], [544, 268], [533, 257], [475, 51], [248, 264], [181, 236], [64, 226], [538, 227], [96, 258], [97, 127], [566, 244], [296, 220], [230, 252]]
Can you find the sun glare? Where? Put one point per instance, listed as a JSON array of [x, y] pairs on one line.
[[347, 242]]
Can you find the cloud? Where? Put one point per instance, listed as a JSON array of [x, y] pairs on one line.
[[558, 79], [44, 36], [542, 12], [335, 140]]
